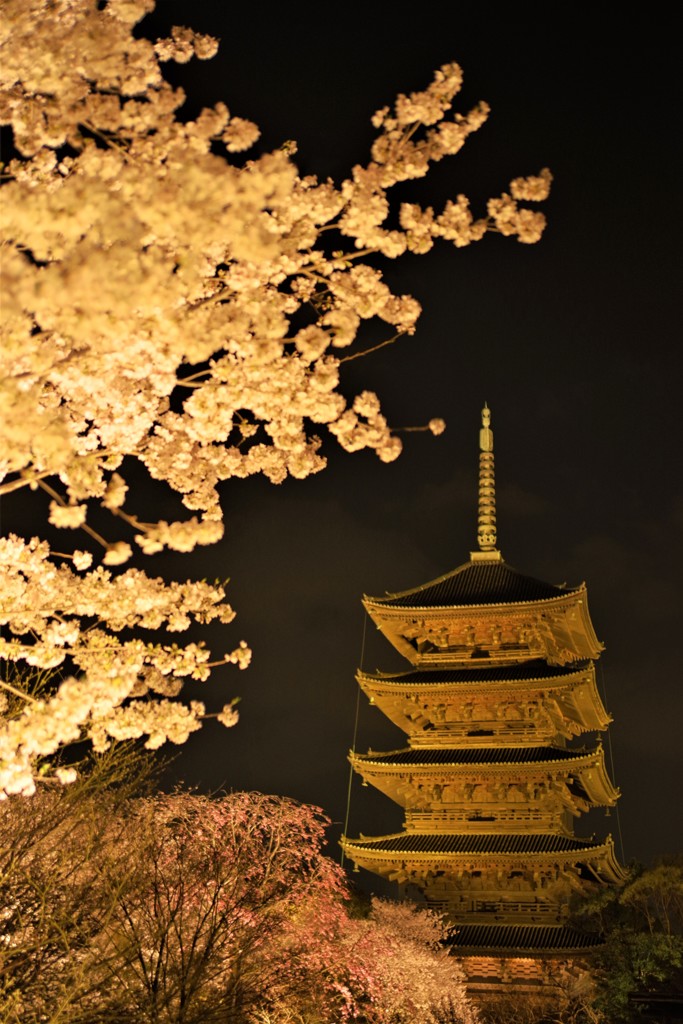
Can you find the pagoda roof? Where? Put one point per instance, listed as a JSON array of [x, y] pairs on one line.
[[534, 670], [480, 582], [419, 756], [508, 844], [506, 938], [449, 851], [583, 771]]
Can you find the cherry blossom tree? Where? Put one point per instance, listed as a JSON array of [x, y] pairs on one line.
[[183, 908], [174, 306], [391, 965], [51, 897]]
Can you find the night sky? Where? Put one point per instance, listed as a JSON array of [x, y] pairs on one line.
[[573, 343]]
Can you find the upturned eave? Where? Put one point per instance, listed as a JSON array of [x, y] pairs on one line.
[[599, 857], [557, 629]]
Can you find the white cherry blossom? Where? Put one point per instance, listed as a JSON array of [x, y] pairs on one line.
[[150, 291]]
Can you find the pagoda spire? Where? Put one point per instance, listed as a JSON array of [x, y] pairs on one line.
[[501, 681], [486, 520]]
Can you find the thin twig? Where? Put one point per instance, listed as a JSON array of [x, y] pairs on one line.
[[25, 481], [18, 693], [367, 351], [84, 526]]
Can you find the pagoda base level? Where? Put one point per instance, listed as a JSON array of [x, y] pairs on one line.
[[530, 989]]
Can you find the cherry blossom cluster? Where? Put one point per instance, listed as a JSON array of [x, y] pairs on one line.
[[125, 688], [168, 305], [394, 964]]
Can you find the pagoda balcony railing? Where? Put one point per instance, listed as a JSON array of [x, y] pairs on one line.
[[483, 819], [484, 734], [486, 911], [459, 655]]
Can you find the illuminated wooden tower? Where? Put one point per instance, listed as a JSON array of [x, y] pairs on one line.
[[502, 683]]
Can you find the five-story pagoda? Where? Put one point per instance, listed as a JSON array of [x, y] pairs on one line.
[[502, 682]]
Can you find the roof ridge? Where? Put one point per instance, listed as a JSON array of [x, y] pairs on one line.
[[479, 755], [472, 583], [504, 843]]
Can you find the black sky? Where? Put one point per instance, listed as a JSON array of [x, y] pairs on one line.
[[574, 343]]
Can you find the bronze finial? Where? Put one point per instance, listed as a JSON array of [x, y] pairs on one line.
[[486, 525]]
